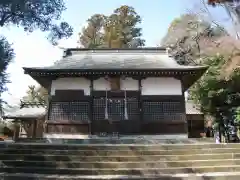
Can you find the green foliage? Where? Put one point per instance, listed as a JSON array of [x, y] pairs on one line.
[[6, 128], [36, 14], [238, 114], [118, 30], [208, 86], [6, 56], [125, 19], [36, 95], [30, 15], [213, 92], [91, 36]]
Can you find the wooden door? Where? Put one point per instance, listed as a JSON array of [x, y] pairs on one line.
[[120, 117]]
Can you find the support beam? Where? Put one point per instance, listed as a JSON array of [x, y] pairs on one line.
[[91, 106], [34, 128], [140, 104]]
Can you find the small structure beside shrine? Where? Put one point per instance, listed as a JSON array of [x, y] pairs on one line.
[[29, 120], [195, 120], [125, 91]]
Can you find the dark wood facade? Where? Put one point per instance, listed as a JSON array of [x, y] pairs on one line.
[[116, 111], [70, 111]]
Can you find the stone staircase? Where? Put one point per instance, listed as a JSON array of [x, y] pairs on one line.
[[42, 161]]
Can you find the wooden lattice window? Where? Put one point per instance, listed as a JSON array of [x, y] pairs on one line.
[[73, 111], [133, 108], [99, 109], [115, 108], [157, 111]]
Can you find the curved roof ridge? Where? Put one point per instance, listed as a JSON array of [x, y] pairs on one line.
[[72, 51], [105, 58]]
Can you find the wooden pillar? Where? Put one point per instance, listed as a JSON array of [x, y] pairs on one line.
[[183, 101], [140, 104], [34, 128], [16, 131], [91, 106], [45, 126]]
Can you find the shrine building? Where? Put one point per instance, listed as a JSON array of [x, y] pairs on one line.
[[125, 91]]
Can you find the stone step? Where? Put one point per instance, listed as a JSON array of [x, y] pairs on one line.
[[115, 164], [115, 146], [107, 152], [113, 157], [120, 171], [52, 157], [208, 176]]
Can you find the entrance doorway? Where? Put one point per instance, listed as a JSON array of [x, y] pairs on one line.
[[116, 114]]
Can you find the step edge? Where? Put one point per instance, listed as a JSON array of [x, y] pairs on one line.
[[123, 169], [126, 162], [124, 150], [181, 155], [215, 174], [106, 145]]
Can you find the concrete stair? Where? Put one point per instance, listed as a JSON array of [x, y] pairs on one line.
[[119, 161]]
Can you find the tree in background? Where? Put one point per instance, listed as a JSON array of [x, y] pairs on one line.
[[92, 35], [215, 2], [232, 8], [190, 37], [218, 97], [111, 36], [36, 95], [36, 14], [125, 20], [209, 87], [6, 56], [119, 30], [30, 15], [209, 44]]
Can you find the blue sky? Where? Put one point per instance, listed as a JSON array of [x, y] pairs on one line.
[[34, 50]]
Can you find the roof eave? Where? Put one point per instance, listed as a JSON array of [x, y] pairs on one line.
[[188, 75], [44, 82], [22, 117], [52, 71], [189, 79]]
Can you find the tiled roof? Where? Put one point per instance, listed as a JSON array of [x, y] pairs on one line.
[[27, 110], [117, 59]]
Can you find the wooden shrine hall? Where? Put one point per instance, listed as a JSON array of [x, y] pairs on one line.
[[126, 91]]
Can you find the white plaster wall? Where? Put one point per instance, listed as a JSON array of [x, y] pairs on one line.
[[161, 86], [71, 83], [101, 84], [125, 84], [150, 86], [129, 84]]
